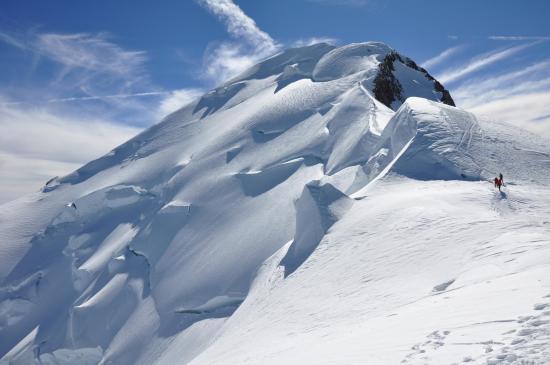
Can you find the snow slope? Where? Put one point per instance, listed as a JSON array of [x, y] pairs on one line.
[[417, 272], [423, 268], [287, 210]]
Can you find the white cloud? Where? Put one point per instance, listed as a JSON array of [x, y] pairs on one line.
[[443, 56], [477, 91], [12, 41], [36, 145], [520, 97], [530, 111], [90, 52], [313, 40], [239, 24], [518, 38], [87, 67], [227, 59], [91, 76], [84, 57], [103, 97], [22, 175], [480, 62], [177, 99]]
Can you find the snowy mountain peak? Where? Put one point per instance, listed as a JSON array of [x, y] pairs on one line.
[[350, 59], [320, 195], [391, 77]]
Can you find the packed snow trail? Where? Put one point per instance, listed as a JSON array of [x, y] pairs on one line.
[[288, 206]]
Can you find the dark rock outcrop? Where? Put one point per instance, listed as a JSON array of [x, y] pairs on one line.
[[387, 88]]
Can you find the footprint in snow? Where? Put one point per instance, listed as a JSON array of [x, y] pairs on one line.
[[531, 343], [435, 340]]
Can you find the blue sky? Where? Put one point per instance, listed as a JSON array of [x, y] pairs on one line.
[[79, 77]]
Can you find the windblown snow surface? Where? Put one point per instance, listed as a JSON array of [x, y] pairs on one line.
[[288, 217]]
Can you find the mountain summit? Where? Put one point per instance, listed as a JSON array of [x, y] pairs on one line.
[[328, 205]]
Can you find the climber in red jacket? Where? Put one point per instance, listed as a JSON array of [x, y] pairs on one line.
[[498, 183]]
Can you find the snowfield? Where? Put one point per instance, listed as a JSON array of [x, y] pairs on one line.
[[416, 272], [289, 216]]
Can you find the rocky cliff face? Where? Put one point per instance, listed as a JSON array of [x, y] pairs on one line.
[[389, 90]]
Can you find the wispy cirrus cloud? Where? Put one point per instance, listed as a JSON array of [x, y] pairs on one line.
[[518, 38], [84, 56], [481, 61], [93, 98], [476, 91], [313, 40], [530, 111], [442, 57], [239, 24], [92, 68], [94, 53], [250, 44], [12, 41], [501, 37], [83, 67], [520, 97]]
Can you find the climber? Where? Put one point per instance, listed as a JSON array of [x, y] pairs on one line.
[[498, 183], [501, 178]]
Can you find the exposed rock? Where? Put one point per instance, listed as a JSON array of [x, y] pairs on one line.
[[388, 89]]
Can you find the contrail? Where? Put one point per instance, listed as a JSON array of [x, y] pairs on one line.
[[91, 97], [113, 96]]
